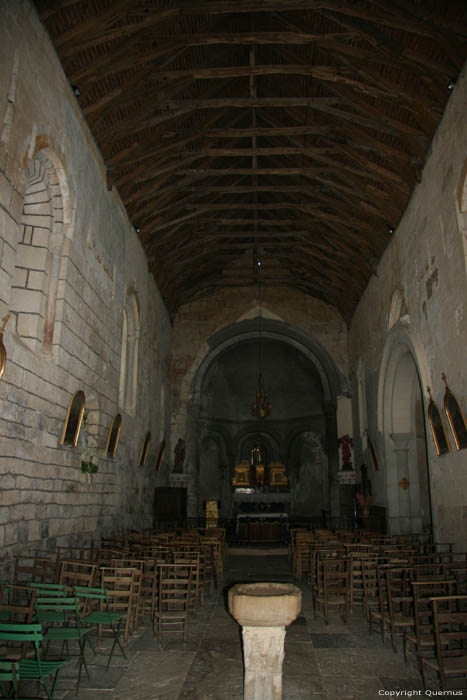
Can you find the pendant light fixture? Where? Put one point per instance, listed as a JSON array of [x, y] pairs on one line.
[[261, 408]]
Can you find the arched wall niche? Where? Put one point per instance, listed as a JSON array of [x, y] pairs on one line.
[[129, 359], [45, 224], [401, 438], [249, 439], [331, 382]]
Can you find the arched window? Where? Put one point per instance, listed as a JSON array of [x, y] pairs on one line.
[[129, 356], [74, 419], [462, 210], [38, 253]]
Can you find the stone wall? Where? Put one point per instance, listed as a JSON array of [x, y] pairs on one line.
[[416, 304], [71, 263]]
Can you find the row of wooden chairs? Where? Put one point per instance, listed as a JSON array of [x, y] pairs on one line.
[[402, 589], [167, 577]]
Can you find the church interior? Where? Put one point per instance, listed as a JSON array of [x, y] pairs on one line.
[[233, 281]]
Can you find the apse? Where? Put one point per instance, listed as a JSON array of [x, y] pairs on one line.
[[293, 435]]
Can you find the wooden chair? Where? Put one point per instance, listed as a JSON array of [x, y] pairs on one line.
[[77, 573], [31, 568], [370, 585], [119, 584], [399, 614], [422, 638], [356, 592], [16, 603], [72, 554], [376, 613], [16, 606], [332, 587], [137, 612], [190, 559], [173, 600], [450, 632]]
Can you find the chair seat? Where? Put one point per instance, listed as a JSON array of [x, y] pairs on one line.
[[399, 620], [103, 618], [453, 665], [65, 633], [30, 669]]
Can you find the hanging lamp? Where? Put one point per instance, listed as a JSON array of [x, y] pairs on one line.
[[261, 408]]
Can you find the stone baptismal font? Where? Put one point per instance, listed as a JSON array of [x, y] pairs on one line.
[[264, 610]]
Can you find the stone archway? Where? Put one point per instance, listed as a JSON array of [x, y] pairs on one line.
[[403, 426], [217, 395]]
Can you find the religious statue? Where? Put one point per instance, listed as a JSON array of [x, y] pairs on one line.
[[179, 456], [346, 443], [256, 456]]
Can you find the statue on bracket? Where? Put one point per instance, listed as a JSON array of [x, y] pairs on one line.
[[179, 456]]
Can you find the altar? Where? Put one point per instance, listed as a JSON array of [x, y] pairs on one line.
[[262, 527]]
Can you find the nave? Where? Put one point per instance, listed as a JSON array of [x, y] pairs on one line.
[[328, 662]]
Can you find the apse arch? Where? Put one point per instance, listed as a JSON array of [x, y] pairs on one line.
[[249, 331], [322, 370]]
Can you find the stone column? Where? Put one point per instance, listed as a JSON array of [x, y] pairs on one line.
[[263, 650], [330, 411], [401, 452]]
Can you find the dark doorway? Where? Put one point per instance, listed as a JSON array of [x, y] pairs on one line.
[[169, 505]]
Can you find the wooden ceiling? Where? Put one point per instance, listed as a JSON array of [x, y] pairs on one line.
[[290, 131]]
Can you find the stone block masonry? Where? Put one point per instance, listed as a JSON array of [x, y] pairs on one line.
[[68, 257]]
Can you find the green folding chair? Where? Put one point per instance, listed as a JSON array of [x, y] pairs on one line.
[[97, 612], [65, 612], [33, 669], [9, 674], [48, 589]]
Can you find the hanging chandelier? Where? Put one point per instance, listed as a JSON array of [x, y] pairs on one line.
[[261, 408]]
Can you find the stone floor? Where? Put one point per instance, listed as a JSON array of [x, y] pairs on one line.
[[335, 662]]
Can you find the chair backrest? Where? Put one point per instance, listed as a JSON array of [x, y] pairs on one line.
[[31, 568], [174, 581], [450, 629], [57, 609], [423, 591], [16, 603], [93, 599], [22, 634], [48, 589], [77, 573], [119, 584], [72, 554]]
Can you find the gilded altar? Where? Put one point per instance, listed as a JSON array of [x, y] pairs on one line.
[[259, 475]]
